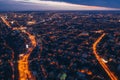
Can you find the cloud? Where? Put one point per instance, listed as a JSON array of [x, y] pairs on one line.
[[104, 3], [45, 5]]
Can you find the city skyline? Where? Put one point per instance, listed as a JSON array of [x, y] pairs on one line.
[[52, 45], [59, 40]]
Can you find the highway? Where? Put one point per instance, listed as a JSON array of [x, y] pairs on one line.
[[101, 62], [23, 63], [6, 22]]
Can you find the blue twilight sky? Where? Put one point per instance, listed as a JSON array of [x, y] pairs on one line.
[[18, 5]]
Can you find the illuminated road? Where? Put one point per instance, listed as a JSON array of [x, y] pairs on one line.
[[6, 22], [101, 62], [23, 63], [11, 61]]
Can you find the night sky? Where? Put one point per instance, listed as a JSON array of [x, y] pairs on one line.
[[18, 5], [104, 3]]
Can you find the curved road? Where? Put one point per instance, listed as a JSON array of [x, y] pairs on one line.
[[23, 63], [104, 66]]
